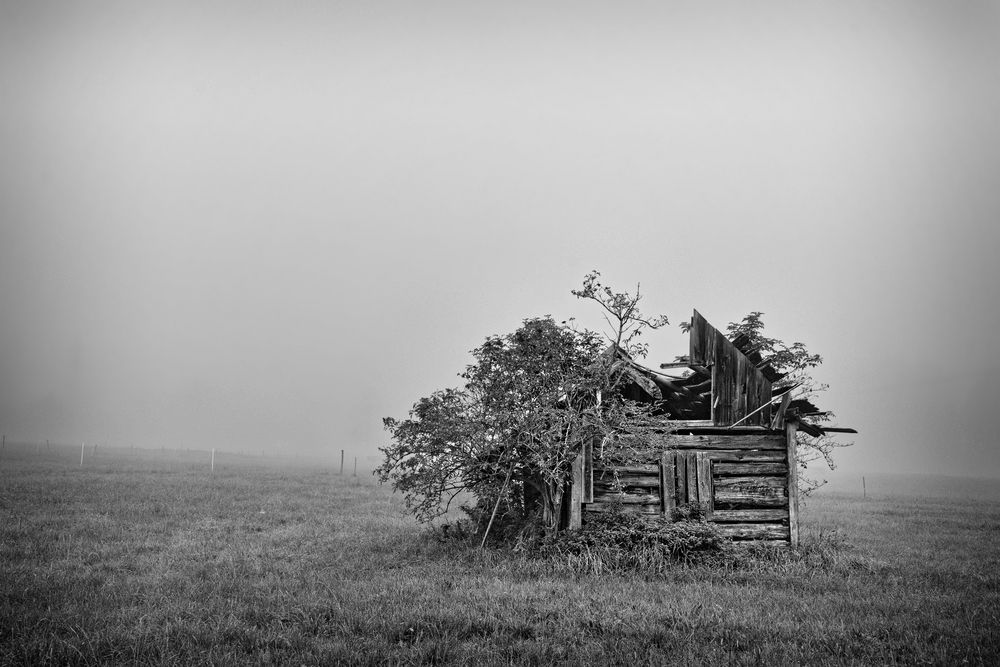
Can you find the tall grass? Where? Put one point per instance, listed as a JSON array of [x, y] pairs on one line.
[[162, 562]]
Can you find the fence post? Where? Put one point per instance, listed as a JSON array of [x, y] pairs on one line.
[[341, 461], [83, 448]]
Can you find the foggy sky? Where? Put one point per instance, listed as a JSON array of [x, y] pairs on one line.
[[266, 226]]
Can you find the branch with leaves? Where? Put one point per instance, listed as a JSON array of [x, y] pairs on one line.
[[621, 312], [795, 361]]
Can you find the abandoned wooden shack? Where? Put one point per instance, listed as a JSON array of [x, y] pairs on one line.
[[727, 443]]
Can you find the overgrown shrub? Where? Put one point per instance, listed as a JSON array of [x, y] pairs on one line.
[[688, 512], [622, 540]]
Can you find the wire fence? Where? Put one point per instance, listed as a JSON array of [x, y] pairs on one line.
[[338, 462]]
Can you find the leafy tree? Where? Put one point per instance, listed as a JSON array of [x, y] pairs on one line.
[[510, 434], [436, 454], [795, 361], [622, 314], [530, 400]]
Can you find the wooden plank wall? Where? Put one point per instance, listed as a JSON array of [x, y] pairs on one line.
[[685, 478], [639, 488], [738, 387], [743, 482]]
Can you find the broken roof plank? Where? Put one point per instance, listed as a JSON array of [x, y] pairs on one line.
[[742, 343], [629, 368], [803, 406], [768, 371], [780, 415], [739, 388], [811, 429]]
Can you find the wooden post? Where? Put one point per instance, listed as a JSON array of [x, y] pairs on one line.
[[83, 448], [713, 397], [706, 489], [213, 459], [576, 494], [668, 484], [691, 466], [355, 466], [588, 471], [680, 466], [864, 488], [341, 461], [780, 414], [791, 429]]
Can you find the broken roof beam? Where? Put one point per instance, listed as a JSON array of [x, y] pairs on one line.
[[779, 416], [742, 343], [697, 368], [632, 370]]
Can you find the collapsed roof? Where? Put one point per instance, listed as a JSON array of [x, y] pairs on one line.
[[721, 381]]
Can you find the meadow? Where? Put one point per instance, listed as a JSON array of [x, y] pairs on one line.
[[143, 557]]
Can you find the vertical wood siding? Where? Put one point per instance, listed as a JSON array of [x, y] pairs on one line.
[[738, 387]]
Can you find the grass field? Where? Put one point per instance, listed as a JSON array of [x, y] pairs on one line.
[[147, 558]]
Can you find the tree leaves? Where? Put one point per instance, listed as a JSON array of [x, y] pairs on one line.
[[794, 361], [626, 320]]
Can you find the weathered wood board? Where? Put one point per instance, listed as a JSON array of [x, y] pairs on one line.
[[651, 480], [751, 492], [685, 477], [792, 484], [750, 516], [576, 494], [746, 456], [601, 507], [605, 471], [738, 387], [668, 483], [630, 498], [755, 531], [724, 469], [766, 440]]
